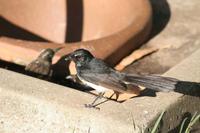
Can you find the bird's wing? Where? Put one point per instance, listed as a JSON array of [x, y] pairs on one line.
[[39, 66], [154, 82], [105, 80]]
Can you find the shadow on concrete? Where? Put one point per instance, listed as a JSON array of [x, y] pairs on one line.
[[161, 16], [58, 76], [174, 130], [175, 115], [19, 69], [187, 115], [11, 66], [11, 30]]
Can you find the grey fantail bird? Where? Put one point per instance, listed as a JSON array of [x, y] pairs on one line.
[[97, 74], [43, 63]]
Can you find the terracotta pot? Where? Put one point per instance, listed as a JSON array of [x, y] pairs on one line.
[[109, 29]]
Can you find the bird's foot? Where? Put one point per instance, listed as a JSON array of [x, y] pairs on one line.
[[92, 106]]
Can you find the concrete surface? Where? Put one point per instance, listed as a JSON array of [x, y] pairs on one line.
[[176, 25], [31, 105]]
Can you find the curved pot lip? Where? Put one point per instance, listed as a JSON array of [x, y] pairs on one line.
[[132, 28], [141, 26], [142, 8], [147, 14]]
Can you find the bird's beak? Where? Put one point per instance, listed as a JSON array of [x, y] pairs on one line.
[[57, 49], [68, 57]]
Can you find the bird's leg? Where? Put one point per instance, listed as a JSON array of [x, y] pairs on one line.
[[115, 93], [92, 105], [98, 97], [50, 73], [49, 76]]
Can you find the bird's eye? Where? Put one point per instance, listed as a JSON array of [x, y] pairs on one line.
[[80, 58]]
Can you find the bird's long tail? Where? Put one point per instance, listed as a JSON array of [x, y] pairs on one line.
[[154, 82]]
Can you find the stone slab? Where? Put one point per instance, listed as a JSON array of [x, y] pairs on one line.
[[31, 105]]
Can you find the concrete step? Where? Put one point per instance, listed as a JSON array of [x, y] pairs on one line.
[[31, 105]]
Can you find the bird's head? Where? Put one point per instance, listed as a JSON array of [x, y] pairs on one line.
[[80, 57], [47, 54]]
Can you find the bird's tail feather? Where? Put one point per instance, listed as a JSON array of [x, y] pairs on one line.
[[154, 82]]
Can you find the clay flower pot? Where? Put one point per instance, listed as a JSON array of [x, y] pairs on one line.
[[109, 29]]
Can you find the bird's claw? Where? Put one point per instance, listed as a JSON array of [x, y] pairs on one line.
[[91, 106]]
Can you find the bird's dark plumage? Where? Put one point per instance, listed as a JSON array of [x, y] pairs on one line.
[[95, 73], [42, 64]]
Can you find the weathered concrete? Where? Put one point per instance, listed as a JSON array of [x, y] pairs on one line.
[[185, 105], [32, 105], [178, 25]]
